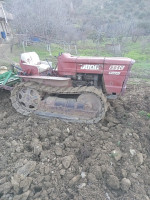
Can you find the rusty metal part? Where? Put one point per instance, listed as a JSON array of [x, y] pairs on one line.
[[28, 98], [90, 105], [24, 99], [91, 101], [5, 87], [49, 80], [66, 108]]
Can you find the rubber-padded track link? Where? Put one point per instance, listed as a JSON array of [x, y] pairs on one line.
[[58, 90]]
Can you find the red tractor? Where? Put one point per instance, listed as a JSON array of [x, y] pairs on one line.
[[77, 90]]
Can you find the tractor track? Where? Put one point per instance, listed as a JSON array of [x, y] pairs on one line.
[[58, 90]]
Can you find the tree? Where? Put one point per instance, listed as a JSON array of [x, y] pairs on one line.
[[49, 19]]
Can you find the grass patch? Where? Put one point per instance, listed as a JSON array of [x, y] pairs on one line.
[[141, 69], [39, 49], [144, 114], [138, 81]]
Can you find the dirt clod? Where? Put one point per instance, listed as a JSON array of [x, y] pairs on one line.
[[58, 151], [67, 161], [57, 160], [116, 154], [113, 182], [125, 184], [74, 180]]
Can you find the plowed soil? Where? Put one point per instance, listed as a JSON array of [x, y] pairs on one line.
[[56, 160]]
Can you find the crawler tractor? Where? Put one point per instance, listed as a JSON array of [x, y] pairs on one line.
[[77, 90]]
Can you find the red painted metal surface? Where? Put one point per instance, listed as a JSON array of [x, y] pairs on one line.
[[66, 65], [115, 70], [32, 69], [29, 69], [49, 80], [71, 65]]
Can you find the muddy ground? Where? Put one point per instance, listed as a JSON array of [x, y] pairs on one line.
[[52, 159]]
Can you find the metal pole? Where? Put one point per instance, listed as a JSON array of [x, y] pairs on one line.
[[23, 47], [76, 49]]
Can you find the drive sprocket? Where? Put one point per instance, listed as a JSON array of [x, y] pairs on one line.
[[25, 99]]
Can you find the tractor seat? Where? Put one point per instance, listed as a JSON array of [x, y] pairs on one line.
[[32, 59]]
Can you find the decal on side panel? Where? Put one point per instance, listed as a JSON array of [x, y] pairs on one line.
[[114, 73], [116, 67], [90, 67]]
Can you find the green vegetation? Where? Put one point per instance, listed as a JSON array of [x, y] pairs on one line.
[[144, 114], [140, 52]]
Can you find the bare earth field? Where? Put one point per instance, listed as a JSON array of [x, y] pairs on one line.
[[51, 159]]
